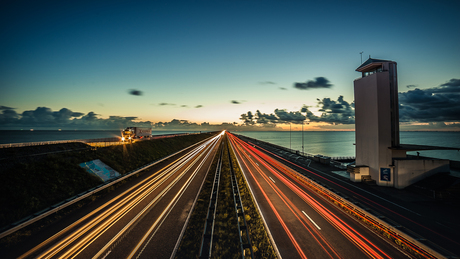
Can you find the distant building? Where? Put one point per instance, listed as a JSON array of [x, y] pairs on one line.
[[380, 158]]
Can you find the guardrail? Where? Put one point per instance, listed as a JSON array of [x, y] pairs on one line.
[[40, 143], [256, 203], [245, 240], [88, 141], [13, 227], [383, 229], [307, 155], [208, 229], [378, 226]]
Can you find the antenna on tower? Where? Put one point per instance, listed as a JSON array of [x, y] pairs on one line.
[[361, 53]]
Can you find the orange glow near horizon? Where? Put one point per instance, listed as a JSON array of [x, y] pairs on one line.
[[313, 126]]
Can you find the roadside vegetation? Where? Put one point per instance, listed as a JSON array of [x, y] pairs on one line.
[[34, 178], [191, 240], [226, 238], [261, 244]]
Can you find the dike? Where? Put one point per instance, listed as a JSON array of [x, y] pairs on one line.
[[34, 178]]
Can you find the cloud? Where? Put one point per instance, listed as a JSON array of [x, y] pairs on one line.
[[235, 102], [65, 114], [267, 83], [8, 116], [45, 118], [453, 86], [164, 104], [184, 106], [283, 88], [285, 116], [41, 116], [411, 86], [175, 124], [333, 112], [426, 106], [135, 92], [319, 82], [262, 118], [185, 125], [452, 83], [339, 106], [247, 118], [436, 104], [279, 116], [199, 106]]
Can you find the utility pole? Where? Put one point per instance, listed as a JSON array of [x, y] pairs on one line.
[[302, 140], [361, 53]]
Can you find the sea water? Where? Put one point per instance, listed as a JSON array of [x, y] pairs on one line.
[[23, 136], [341, 143], [327, 143]]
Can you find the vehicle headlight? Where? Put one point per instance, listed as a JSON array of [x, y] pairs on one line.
[[122, 138]]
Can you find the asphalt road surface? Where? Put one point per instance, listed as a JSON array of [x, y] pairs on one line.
[[144, 221], [304, 225]]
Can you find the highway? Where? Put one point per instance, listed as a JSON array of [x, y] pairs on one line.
[[303, 224], [434, 226], [145, 221]]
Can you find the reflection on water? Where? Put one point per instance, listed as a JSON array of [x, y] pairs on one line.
[[340, 143]]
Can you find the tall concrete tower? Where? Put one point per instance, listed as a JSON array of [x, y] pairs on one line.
[[380, 158], [377, 118]]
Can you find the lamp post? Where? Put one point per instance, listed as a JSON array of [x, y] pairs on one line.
[[290, 137], [303, 153], [302, 140]]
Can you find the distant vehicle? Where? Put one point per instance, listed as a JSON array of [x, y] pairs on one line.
[[131, 133]]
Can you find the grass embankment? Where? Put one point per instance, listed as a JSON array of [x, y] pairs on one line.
[[226, 243], [31, 182], [226, 238], [261, 244]]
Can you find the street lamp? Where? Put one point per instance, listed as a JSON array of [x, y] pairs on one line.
[[302, 140]]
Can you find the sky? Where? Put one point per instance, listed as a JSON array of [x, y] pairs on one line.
[[245, 64]]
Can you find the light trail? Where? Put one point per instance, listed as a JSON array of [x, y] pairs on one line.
[[168, 208], [278, 170], [121, 210], [116, 207], [348, 231], [70, 243], [278, 216], [366, 200], [283, 224]]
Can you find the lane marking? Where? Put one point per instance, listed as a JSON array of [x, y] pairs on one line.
[[271, 179], [327, 175], [316, 225], [375, 195]]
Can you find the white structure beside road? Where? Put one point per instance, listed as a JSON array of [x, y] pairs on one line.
[[380, 158]]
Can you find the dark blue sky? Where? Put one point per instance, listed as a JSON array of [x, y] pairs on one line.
[[214, 60]]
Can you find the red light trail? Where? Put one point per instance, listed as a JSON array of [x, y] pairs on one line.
[[279, 171]]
